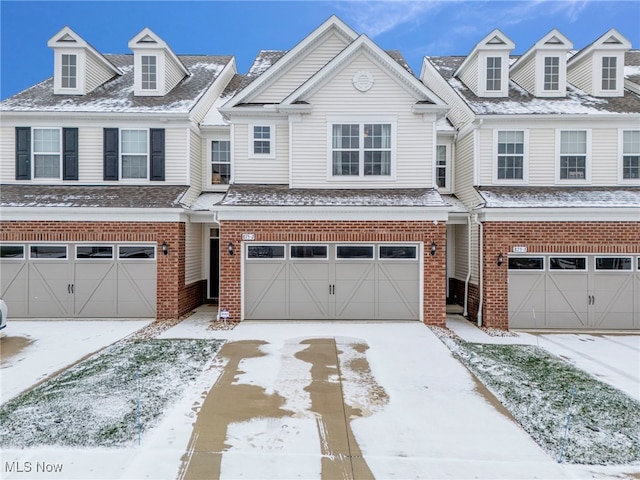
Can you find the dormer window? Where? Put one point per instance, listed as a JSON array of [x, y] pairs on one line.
[[494, 73], [149, 72], [69, 74], [609, 73], [551, 74]]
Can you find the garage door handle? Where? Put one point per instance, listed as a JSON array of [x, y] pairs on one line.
[[68, 288], [72, 287]]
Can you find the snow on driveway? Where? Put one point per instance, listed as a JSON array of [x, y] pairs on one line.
[[613, 359], [31, 351]]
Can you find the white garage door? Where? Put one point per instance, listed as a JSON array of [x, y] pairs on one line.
[[79, 280], [332, 281], [575, 292]]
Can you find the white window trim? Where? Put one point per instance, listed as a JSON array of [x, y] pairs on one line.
[[587, 179], [142, 57], [482, 75], [621, 179], [160, 73], [562, 75], [448, 173], [569, 271], [207, 183], [33, 157], [120, 154], [525, 160], [53, 259], [79, 89], [374, 255], [597, 74], [361, 177], [136, 259], [272, 140], [99, 259]]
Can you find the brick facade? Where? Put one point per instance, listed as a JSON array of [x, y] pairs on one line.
[[434, 308], [544, 237], [173, 297]]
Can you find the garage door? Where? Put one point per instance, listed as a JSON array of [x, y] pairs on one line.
[[332, 281], [576, 292], [78, 280]]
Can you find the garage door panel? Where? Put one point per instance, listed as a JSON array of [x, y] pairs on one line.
[[95, 289], [309, 290], [613, 302], [567, 301], [49, 290], [355, 285], [527, 300], [398, 295], [14, 287], [266, 291], [136, 289]]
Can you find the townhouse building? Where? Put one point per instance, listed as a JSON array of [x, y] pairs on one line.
[[328, 182]]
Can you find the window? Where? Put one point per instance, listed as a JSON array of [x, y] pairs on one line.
[[354, 251], [149, 72], [551, 73], [526, 263], [361, 149], [309, 251], [12, 251], [94, 252], [631, 155], [390, 252], [136, 251], [265, 251], [614, 263], [134, 147], [262, 140], [494, 73], [510, 155], [46, 153], [69, 71], [573, 155], [48, 251], [567, 263], [220, 162], [609, 73], [441, 166]]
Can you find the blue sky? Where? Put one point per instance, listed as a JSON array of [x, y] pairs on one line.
[[242, 28]]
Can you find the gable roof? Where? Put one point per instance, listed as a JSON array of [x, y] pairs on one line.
[[376, 54], [612, 39], [116, 95], [291, 57], [66, 38], [494, 40], [147, 39], [554, 40]]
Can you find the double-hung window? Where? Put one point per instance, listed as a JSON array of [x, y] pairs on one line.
[[262, 140], [510, 155], [149, 72], [134, 148], [551, 74], [494, 73], [361, 149], [609, 75], [441, 166], [631, 155], [47, 153], [573, 155], [220, 162], [69, 74]]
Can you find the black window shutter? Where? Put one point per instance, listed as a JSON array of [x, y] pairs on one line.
[[70, 154], [23, 153], [157, 154], [111, 154]]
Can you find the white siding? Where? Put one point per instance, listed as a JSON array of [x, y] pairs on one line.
[[7, 154], [459, 114], [176, 156], [195, 169], [386, 99], [526, 75], [542, 156], [581, 75], [96, 73], [206, 103], [470, 75], [604, 156], [90, 154], [302, 71], [464, 171], [260, 170], [173, 74], [193, 251], [485, 151]]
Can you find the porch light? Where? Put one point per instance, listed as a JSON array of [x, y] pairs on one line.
[[433, 248], [230, 248], [165, 248], [500, 259]]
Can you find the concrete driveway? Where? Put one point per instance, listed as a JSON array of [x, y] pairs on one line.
[[350, 400]]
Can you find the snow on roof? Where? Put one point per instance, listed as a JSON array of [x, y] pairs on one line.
[[561, 197], [264, 60], [520, 101], [111, 196], [283, 196], [207, 200], [632, 66], [116, 95], [458, 206]]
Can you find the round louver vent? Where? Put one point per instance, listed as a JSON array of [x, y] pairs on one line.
[[363, 80]]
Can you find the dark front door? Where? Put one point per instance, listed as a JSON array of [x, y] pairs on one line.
[[214, 267]]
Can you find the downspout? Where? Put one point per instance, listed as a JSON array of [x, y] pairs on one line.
[[475, 219], [465, 313]]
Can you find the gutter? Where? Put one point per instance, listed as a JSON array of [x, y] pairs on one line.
[[465, 312], [480, 304]]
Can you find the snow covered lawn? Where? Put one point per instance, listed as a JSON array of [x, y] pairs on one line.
[[540, 390], [102, 401]]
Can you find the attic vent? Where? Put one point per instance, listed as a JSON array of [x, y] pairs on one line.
[[554, 41], [67, 38], [496, 41], [363, 80], [147, 39], [613, 40]]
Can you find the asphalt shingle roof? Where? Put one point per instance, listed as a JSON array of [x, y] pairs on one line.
[[116, 95], [111, 196], [561, 197]]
